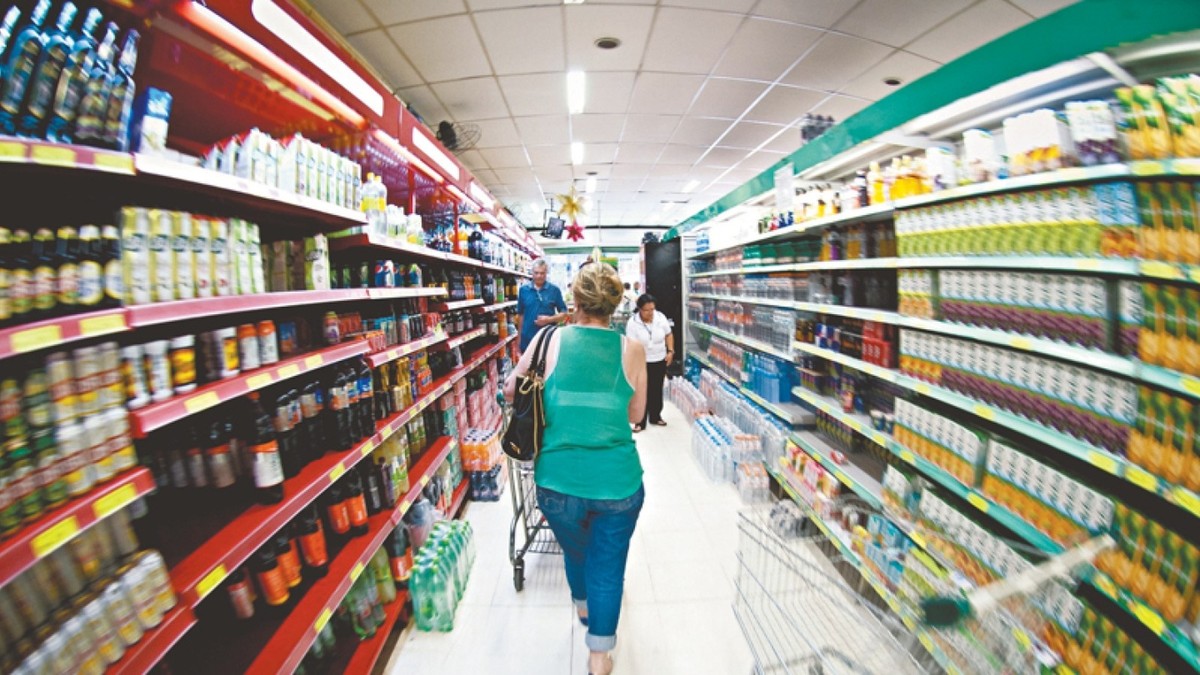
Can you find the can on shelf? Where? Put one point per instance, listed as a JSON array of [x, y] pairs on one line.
[[77, 472], [134, 374], [248, 349], [120, 442], [111, 391], [158, 370], [87, 379], [60, 377], [183, 363], [118, 607], [95, 434]]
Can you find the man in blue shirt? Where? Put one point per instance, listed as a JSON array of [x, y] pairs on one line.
[[539, 303]]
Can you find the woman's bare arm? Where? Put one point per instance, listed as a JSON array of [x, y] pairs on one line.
[[634, 362]]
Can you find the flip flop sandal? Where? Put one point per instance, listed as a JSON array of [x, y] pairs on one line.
[[660, 423], [637, 428]]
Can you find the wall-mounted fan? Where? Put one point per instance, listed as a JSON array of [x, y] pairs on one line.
[[458, 136]]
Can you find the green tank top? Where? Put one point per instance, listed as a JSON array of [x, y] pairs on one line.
[[588, 449]]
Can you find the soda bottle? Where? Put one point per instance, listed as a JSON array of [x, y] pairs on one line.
[[110, 260], [194, 458], [382, 573], [68, 269], [353, 395], [399, 555], [372, 490], [266, 466], [361, 611], [45, 273], [337, 512], [312, 544], [312, 406], [385, 476], [356, 505], [339, 403], [241, 594], [218, 449], [285, 435], [289, 558], [366, 399], [272, 584]]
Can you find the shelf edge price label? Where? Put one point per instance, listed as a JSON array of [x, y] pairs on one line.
[[1190, 384], [1185, 498], [424, 481], [211, 581], [1020, 343], [1105, 585], [114, 501], [121, 163], [54, 536], [356, 571], [52, 155], [985, 412], [35, 338], [1160, 270], [201, 402], [1153, 621], [102, 325], [314, 361], [907, 456], [1146, 167], [12, 150], [287, 371], [1103, 461], [978, 502], [259, 381], [322, 619], [1139, 477], [337, 472]]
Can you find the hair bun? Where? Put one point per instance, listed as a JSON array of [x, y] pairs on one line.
[[597, 289]]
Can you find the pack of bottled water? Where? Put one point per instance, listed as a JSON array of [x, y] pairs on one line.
[[440, 572], [712, 444], [686, 397]]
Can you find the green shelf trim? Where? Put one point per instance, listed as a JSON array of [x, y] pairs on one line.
[[792, 414], [1113, 266], [744, 341], [851, 476]]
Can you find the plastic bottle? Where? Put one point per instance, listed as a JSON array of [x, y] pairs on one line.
[[45, 274], [337, 512], [272, 584], [67, 292], [110, 261], [382, 574], [266, 466], [313, 549], [219, 455], [285, 435], [356, 505], [366, 399], [44, 80], [23, 57], [122, 90], [399, 555], [289, 558], [312, 408], [241, 594]]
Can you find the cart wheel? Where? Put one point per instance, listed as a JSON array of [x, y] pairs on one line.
[[519, 576]]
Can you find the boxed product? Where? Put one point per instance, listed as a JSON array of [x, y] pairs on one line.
[[151, 119]]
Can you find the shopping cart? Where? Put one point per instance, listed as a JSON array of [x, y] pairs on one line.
[[529, 532]]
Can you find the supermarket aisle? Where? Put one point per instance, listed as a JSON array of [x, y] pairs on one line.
[[677, 615]]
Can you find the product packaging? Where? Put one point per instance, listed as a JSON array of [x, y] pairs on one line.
[[135, 255], [151, 119]]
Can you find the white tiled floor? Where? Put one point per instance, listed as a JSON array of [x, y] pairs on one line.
[[677, 614]]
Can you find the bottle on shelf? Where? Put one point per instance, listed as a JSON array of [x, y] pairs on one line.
[[313, 549], [356, 505], [337, 511], [266, 465], [272, 584], [93, 105], [123, 90], [72, 81], [42, 84], [23, 57]]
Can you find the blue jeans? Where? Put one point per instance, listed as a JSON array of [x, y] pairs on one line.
[[594, 535]]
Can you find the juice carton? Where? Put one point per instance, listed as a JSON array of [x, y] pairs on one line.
[[181, 249], [135, 255], [254, 246], [1183, 115], [162, 259], [202, 257], [1174, 326], [220, 257], [315, 263], [240, 239]]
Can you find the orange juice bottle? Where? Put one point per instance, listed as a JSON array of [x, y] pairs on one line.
[[1181, 442]]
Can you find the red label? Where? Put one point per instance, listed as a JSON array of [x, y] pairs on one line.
[[289, 562], [269, 446], [401, 566], [274, 586], [222, 449], [313, 547], [357, 506], [339, 517]]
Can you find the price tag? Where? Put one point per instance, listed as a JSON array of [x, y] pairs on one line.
[[1185, 498], [1147, 167], [984, 411], [925, 641], [1149, 617], [1186, 167], [336, 472], [314, 361], [210, 581], [917, 539], [1159, 269], [922, 388], [1105, 585], [52, 155], [1190, 384], [101, 325], [322, 619], [259, 381], [119, 163], [424, 481], [1194, 274], [404, 506], [56, 535], [1141, 478], [1103, 461], [356, 571], [841, 475], [10, 150], [35, 338], [201, 402], [1020, 343], [907, 456], [1087, 264], [1022, 639], [290, 370], [978, 502], [368, 448], [114, 501]]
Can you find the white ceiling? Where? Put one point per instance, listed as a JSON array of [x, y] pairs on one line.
[[704, 90]]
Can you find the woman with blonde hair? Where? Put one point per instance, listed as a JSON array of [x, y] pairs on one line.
[[588, 475]]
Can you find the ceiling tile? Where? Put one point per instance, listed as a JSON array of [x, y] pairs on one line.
[[422, 100], [597, 128], [650, 128], [550, 155], [784, 105], [554, 173], [699, 131], [626, 187], [543, 129], [599, 153], [836, 60], [749, 135], [673, 46], [473, 161], [607, 92], [602, 171], [639, 153], [535, 94], [589, 22], [509, 55], [663, 93], [1040, 8], [390, 11], [476, 98], [681, 154], [442, 49], [907, 67], [508, 4], [726, 98], [897, 22], [762, 49], [736, 6], [821, 13], [485, 176], [347, 16], [968, 30], [631, 170], [839, 107], [787, 142], [505, 158], [513, 176], [377, 48], [760, 161], [722, 157], [497, 133]]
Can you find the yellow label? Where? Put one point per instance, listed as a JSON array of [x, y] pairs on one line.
[[922, 388], [336, 472], [1194, 274], [978, 502], [1186, 167], [1103, 461], [101, 325], [52, 155], [322, 619], [368, 448], [259, 381], [35, 338], [854, 424], [841, 475], [1105, 585], [1022, 638], [1141, 478], [984, 411], [12, 150], [211, 581], [424, 481], [925, 641], [1185, 498], [1149, 617], [201, 402], [314, 361], [879, 439], [1020, 343], [1087, 264], [356, 571], [917, 539], [1159, 269], [115, 500], [907, 456], [1147, 168], [113, 162], [287, 371], [56, 535], [404, 506], [1190, 384]]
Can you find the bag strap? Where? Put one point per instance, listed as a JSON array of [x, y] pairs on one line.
[[540, 350]]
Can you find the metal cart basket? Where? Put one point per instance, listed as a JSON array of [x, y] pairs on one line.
[[529, 532]]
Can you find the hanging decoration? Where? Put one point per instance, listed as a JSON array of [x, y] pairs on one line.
[[572, 208]]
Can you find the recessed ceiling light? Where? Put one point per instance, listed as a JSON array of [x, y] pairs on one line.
[[590, 185], [576, 91], [692, 185], [893, 81], [608, 43], [572, 2], [577, 152]]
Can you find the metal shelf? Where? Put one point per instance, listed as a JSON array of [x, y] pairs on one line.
[[378, 241], [463, 338], [284, 651], [56, 332], [863, 484], [376, 359], [499, 306], [141, 658], [874, 212], [1115, 266], [744, 341], [15, 150], [457, 304], [157, 415], [58, 526], [1029, 182], [791, 413]]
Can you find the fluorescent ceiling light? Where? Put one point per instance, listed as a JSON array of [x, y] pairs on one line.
[[408, 156], [577, 152], [590, 185], [432, 151], [298, 38], [576, 91], [691, 186], [572, 2], [481, 196]]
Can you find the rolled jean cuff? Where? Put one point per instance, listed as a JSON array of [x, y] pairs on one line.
[[580, 604], [600, 643]]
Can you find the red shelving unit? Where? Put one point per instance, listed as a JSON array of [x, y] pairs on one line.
[[44, 153], [31, 337], [143, 656], [392, 293], [456, 305], [498, 306], [291, 642], [157, 415], [367, 653], [44, 535], [460, 496], [377, 359], [181, 310], [463, 338], [378, 241]]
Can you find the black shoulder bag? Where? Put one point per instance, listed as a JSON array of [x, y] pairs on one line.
[[523, 436]]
